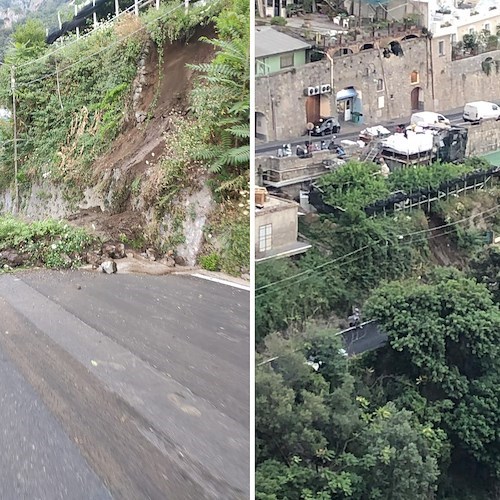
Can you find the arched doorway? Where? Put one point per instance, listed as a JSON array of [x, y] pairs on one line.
[[417, 99], [260, 126]]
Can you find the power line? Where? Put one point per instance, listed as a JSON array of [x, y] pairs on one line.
[[112, 44], [311, 272], [90, 56]]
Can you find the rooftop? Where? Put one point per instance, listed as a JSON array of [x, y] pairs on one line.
[[274, 204], [269, 41]]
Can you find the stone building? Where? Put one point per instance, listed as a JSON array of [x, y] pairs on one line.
[[371, 88]]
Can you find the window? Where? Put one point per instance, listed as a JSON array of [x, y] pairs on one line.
[[414, 77], [487, 27], [471, 31], [286, 61], [265, 237], [381, 102], [441, 48], [380, 84], [453, 38]]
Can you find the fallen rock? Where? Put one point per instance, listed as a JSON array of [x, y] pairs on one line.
[[180, 261], [108, 251], [12, 258], [168, 261], [120, 251], [94, 259], [151, 254], [109, 267]]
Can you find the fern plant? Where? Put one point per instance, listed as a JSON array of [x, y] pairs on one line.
[[222, 101]]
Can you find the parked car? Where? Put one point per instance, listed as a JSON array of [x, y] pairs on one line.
[[429, 118], [481, 110], [326, 126]]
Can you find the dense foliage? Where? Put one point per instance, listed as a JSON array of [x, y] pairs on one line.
[[417, 418], [403, 422], [358, 184], [48, 243], [351, 257]]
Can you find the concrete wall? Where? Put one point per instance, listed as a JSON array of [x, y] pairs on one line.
[[443, 84], [284, 220]]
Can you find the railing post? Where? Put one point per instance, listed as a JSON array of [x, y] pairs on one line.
[[94, 15], [117, 8], [157, 4], [136, 7], [186, 5], [77, 28]]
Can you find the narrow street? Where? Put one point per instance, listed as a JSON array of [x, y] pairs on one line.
[[123, 386], [349, 131]]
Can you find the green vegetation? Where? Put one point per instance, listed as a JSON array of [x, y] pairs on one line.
[[358, 184], [376, 250], [417, 418], [405, 421], [47, 243], [74, 101]]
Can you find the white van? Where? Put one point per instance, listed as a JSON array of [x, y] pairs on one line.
[[481, 110], [429, 118]]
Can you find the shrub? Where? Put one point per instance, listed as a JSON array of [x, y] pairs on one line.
[[210, 262]]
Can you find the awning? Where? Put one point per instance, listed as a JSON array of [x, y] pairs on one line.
[[346, 94]]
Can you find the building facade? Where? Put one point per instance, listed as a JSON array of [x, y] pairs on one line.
[[276, 227], [371, 88]]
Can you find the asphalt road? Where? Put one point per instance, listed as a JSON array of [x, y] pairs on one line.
[[353, 135], [123, 386], [364, 338]]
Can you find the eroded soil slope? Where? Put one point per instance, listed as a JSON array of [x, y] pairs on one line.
[[141, 143]]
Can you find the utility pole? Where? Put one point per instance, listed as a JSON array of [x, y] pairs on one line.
[[13, 87]]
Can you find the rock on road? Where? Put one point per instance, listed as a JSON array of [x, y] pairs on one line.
[[123, 386]]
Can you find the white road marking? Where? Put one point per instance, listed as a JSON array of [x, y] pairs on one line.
[[222, 282]]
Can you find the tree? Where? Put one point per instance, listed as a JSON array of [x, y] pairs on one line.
[[447, 328], [444, 335], [28, 41], [316, 439]]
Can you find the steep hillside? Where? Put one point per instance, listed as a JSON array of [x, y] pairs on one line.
[[121, 133]]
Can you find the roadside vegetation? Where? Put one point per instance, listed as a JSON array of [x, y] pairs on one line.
[[74, 101], [417, 418], [46, 243]]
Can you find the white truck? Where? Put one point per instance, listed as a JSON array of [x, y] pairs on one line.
[[429, 119], [481, 110]]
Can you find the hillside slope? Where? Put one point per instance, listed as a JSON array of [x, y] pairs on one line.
[[135, 133], [141, 144]]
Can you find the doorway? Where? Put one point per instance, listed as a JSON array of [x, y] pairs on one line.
[[313, 109], [417, 99]]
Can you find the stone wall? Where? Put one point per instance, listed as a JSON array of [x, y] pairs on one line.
[[484, 138], [281, 103], [442, 84], [461, 81]]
